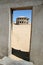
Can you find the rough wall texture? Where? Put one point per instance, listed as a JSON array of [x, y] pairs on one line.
[[37, 28], [37, 36], [4, 24]]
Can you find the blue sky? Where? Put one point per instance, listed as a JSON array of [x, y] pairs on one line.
[[17, 13]]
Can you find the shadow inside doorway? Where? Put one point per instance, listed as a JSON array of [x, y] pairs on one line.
[[21, 54]]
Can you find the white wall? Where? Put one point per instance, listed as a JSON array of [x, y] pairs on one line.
[[4, 28], [37, 36], [20, 37]]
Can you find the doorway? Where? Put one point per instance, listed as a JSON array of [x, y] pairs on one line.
[[21, 21]]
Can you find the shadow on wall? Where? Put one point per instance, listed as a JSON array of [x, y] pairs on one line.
[[21, 54]]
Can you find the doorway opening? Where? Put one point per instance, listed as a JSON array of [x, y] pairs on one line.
[[21, 21]]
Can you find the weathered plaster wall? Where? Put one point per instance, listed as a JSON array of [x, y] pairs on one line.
[[20, 37], [4, 27], [37, 36], [37, 28]]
